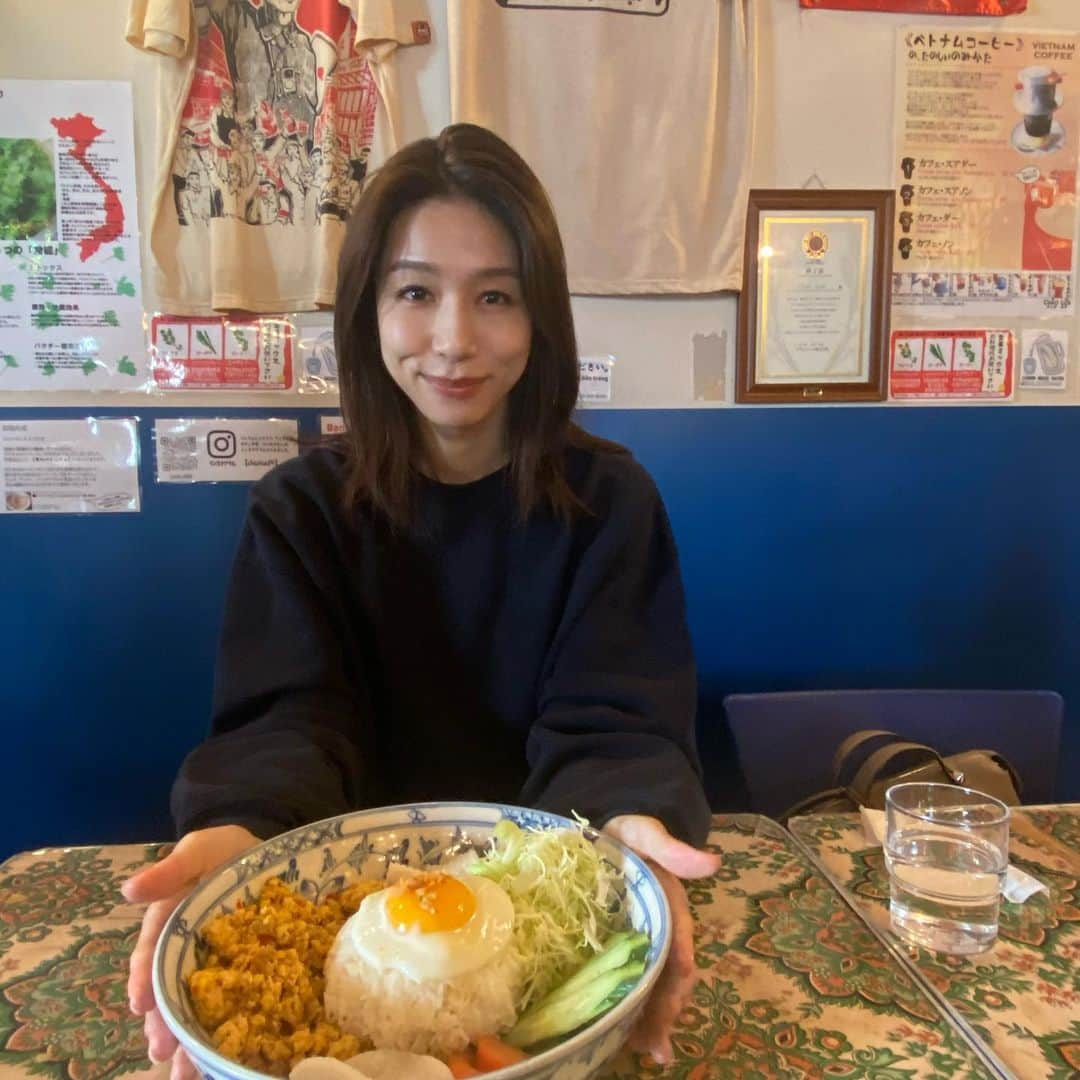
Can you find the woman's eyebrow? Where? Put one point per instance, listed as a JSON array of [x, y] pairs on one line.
[[431, 268]]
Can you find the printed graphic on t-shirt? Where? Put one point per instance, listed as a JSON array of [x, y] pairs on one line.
[[622, 7], [278, 124]]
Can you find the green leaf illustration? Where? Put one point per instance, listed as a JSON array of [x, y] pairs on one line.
[[9, 361], [63, 249], [126, 367], [935, 350], [48, 281], [110, 318], [168, 337], [48, 369], [28, 193], [240, 338], [89, 366], [125, 287], [47, 316], [204, 340], [7, 292], [118, 254]]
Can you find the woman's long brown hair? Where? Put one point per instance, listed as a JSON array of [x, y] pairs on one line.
[[383, 443]]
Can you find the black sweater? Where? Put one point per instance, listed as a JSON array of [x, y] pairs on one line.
[[471, 657]]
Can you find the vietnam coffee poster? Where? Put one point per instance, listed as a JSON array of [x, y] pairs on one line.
[[986, 147]]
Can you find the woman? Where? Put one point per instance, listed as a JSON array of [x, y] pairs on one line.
[[470, 597]]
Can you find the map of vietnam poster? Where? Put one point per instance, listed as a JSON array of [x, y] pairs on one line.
[[70, 282]]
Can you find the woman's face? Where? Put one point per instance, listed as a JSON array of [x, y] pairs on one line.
[[454, 330]]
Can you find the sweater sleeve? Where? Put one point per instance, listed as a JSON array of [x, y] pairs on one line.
[[615, 730], [291, 737]]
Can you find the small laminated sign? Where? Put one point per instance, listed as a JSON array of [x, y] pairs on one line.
[[594, 378], [211, 451]]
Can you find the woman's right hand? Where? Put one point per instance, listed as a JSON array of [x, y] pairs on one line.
[[163, 886]]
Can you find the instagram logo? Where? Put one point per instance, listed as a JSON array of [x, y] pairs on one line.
[[221, 444]]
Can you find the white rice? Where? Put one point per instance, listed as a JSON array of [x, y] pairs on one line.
[[431, 1017]]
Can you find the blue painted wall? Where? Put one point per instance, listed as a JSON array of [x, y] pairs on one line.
[[821, 547]]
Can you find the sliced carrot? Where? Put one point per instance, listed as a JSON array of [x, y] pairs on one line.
[[460, 1064], [492, 1053]]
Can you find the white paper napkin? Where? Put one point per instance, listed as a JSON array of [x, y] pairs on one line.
[[1016, 886]]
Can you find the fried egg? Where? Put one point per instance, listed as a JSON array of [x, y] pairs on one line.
[[432, 926]]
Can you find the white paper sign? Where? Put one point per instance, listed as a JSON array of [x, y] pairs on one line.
[[332, 425], [316, 357], [211, 451], [1045, 359], [70, 282], [86, 466], [594, 378]]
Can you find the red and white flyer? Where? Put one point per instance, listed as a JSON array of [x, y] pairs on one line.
[[935, 363], [195, 352], [925, 7]]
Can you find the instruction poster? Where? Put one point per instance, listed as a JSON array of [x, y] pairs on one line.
[[192, 352], [211, 451], [86, 466], [70, 281], [935, 363], [987, 148]]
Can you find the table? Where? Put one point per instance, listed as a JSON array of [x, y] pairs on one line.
[[1022, 997], [791, 982]]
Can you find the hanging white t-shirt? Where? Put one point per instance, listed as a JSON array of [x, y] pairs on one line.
[[267, 124], [637, 115]]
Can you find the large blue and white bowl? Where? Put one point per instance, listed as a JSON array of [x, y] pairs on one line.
[[322, 858]]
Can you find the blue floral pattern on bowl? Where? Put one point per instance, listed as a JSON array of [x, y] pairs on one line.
[[324, 857]]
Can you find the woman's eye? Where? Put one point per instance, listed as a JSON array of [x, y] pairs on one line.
[[413, 292], [493, 296]]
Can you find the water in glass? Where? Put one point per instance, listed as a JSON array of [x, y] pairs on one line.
[[947, 850], [944, 889]]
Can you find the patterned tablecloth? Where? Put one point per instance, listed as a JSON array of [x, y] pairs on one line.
[[791, 983], [1022, 997]]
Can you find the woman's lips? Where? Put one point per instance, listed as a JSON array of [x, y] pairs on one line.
[[456, 388]]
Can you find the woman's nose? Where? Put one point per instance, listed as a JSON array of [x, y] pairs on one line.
[[454, 331]]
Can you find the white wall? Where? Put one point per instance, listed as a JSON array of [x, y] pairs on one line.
[[825, 107]]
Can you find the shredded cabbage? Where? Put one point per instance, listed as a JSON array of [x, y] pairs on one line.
[[567, 900]]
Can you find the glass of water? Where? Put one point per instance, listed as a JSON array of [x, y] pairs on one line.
[[946, 850]]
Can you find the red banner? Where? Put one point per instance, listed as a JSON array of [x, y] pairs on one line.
[[924, 7]]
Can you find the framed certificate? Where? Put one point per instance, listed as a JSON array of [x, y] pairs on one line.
[[814, 310]]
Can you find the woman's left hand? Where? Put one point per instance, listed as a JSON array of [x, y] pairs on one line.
[[671, 860]]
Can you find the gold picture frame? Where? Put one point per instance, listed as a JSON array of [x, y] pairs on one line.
[[814, 310]]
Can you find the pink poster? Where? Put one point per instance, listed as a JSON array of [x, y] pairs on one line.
[[925, 7]]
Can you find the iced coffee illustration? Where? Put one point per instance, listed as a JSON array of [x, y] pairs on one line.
[[1049, 217], [1047, 355]]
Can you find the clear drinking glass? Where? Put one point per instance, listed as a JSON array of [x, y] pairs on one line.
[[946, 850]]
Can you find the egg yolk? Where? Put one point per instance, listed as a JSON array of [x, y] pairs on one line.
[[431, 903]]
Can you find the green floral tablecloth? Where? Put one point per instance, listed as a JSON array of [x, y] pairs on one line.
[[1022, 997], [791, 984]]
